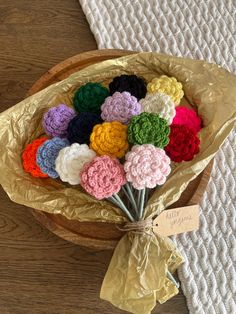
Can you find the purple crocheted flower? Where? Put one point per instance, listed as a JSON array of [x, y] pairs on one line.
[[56, 120], [120, 107]]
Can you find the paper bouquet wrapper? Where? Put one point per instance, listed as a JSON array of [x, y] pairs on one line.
[[136, 277]]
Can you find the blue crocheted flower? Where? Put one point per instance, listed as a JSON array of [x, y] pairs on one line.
[[47, 154]]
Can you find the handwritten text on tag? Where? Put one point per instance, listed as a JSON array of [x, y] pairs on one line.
[[177, 220]]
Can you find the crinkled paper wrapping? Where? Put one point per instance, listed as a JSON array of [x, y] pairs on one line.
[[136, 277]]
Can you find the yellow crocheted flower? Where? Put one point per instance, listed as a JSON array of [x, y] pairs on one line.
[[167, 85], [109, 138]]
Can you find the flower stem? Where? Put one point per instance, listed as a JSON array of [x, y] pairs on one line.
[[171, 277], [131, 187], [146, 196], [131, 197], [139, 197], [114, 201], [141, 208], [130, 203], [123, 207], [126, 193]]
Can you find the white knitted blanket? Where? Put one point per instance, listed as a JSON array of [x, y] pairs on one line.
[[201, 29]]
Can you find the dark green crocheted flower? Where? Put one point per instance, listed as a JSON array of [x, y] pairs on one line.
[[90, 97], [149, 128]]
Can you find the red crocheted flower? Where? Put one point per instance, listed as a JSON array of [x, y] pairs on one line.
[[187, 117], [102, 177], [29, 158], [183, 144]]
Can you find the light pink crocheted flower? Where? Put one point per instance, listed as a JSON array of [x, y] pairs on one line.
[[187, 117], [146, 166], [102, 177]]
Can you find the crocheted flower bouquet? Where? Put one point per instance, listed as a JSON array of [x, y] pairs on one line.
[[120, 139], [122, 148], [117, 140]]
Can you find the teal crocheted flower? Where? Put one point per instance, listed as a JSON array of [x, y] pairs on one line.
[[90, 97], [149, 128]]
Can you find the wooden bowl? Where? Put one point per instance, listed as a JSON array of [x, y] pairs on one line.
[[95, 234]]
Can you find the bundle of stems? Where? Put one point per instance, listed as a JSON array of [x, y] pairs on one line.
[[137, 200]]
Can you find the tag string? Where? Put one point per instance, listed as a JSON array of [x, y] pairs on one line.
[[140, 226]]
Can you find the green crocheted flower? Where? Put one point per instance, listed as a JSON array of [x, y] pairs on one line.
[[90, 97], [149, 128]]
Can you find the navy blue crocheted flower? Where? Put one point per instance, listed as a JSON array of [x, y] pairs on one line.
[[81, 126]]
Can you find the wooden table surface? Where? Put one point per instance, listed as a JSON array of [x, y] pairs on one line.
[[39, 272]]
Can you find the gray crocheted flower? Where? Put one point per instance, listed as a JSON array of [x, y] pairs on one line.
[[47, 154]]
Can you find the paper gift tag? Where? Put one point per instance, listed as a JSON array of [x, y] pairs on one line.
[[177, 220]]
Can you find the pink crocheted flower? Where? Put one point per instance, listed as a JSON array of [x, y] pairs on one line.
[[146, 166], [188, 117], [102, 177], [120, 107]]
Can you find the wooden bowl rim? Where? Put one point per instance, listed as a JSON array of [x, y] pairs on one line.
[[42, 217]]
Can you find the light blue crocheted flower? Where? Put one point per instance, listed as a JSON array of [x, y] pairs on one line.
[[47, 154]]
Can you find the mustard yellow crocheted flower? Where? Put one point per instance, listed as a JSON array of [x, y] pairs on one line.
[[167, 85], [109, 138]]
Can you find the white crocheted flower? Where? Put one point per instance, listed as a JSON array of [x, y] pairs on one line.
[[159, 103], [71, 160]]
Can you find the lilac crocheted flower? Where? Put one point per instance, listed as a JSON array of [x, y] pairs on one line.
[[120, 107], [47, 154], [146, 166], [56, 120]]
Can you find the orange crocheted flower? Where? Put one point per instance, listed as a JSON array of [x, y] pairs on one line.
[[29, 158], [109, 138]]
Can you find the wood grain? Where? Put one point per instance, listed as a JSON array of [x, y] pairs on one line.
[[34, 36], [39, 272], [71, 65]]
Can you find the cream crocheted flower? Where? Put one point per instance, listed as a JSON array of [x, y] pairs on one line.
[[71, 160], [159, 103]]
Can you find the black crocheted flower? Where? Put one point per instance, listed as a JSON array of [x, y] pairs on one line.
[[81, 126], [133, 84], [149, 128]]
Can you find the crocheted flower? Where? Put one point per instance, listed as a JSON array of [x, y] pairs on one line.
[[187, 117], [90, 97], [29, 158], [167, 85], [149, 128], [70, 161], [81, 127], [47, 154], [120, 107], [109, 138], [133, 84], [159, 103], [183, 145], [146, 166], [56, 120], [103, 177]]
